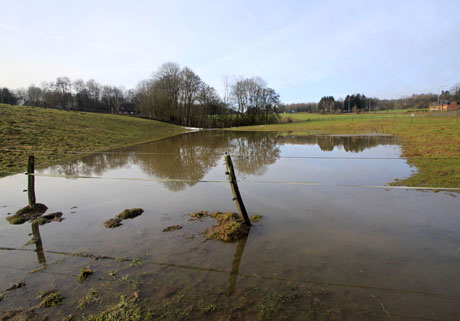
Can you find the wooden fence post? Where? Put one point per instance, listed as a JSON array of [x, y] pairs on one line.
[[235, 190], [31, 181]]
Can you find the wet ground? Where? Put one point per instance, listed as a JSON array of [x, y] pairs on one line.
[[334, 247]]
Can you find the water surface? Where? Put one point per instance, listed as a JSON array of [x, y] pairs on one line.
[[331, 248]]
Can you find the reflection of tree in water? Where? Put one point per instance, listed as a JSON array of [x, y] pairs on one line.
[[354, 144], [254, 152], [185, 157], [95, 164], [192, 156]]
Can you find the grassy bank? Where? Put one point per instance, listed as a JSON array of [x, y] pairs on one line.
[[53, 135], [431, 142]]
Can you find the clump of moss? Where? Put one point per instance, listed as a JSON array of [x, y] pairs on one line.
[[27, 213], [113, 222], [229, 228], [130, 213], [126, 214], [127, 309], [172, 228], [38, 208], [198, 215], [16, 220], [255, 218], [45, 219], [84, 274], [90, 298], [50, 298]]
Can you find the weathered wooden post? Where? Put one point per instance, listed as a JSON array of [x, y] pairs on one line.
[[31, 180], [235, 190]]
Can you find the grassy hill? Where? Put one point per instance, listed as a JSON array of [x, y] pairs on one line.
[[53, 135], [431, 142]]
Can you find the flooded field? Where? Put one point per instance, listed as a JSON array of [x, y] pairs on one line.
[[332, 243]]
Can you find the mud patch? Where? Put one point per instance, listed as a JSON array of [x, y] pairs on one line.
[[19, 315]]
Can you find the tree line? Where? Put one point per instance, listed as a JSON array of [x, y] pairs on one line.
[[72, 95], [178, 95], [173, 94], [361, 103]]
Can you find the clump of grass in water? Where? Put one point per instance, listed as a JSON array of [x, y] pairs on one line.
[[130, 213], [27, 213], [50, 298], [113, 222], [229, 228], [90, 298], [84, 274], [172, 228], [126, 214]]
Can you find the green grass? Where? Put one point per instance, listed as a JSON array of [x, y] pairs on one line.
[[54, 135], [431, 142]]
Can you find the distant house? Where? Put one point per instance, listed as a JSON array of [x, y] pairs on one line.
[[450, 106], [126, 108]]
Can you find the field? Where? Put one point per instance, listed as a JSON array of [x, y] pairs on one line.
[[431, 142], [53, 135]]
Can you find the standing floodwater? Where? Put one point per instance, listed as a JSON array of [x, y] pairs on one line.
[[332, 244]]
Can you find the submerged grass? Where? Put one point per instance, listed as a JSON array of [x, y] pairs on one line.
[[50, 298], [127, 309], [91, 297], [54, 135], [431, 142], [84, 274]]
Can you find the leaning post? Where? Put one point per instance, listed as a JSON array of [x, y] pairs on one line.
[[235, 190], [31, 180]]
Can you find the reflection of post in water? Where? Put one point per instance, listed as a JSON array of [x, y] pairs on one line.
[[32, 200], [38, 244], [236, 264]]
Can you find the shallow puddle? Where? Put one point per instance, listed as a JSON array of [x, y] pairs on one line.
[[332, 244]]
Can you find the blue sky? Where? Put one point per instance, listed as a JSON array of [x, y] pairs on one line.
[[303, 49]]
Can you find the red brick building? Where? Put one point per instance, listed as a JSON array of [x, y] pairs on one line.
[[452, 106]]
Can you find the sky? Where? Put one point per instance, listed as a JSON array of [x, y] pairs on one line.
[[303, 49]]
